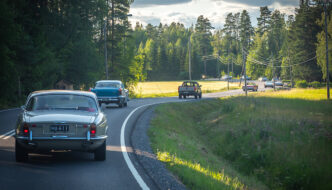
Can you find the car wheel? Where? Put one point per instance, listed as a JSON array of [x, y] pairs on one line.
[[180, 96], [21, 154], [200, 96], [195, 96], [120, 104], [100, 152], [184, 96]]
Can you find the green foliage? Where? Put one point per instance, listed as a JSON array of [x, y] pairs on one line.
[[321, 46], [44, 42], [301, 84], [315, 84], [264, 20], [302, 42]]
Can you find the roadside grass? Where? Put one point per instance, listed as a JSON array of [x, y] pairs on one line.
[[170, 88], [271, 140]]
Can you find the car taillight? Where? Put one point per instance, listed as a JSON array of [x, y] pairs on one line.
[[120, 90], [93, 129], [25, 129], [195, 88]]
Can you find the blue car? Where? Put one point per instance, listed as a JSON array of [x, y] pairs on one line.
[[111, 91]]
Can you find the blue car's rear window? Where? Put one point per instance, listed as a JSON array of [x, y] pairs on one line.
[[107, 85]]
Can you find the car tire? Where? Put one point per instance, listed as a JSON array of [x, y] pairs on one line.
[[184, 96], [120, 104], [21, 154], [195, 96], [200, 96], [180, 96], [100, 152]]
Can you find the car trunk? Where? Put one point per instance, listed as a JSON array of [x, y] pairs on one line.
[[107, 92], [186, 88], [56, 123]]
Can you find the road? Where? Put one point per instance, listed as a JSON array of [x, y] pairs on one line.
[[78, 170]]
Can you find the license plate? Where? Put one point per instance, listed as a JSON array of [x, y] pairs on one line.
[[59, 128]]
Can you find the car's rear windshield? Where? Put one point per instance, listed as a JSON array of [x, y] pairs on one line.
[[62, 102], [189, 84], [108, 85]]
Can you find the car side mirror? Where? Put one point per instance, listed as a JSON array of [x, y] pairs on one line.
[[23, 107]]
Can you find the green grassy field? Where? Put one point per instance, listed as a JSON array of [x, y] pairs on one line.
[[271, 140], [170, 88]]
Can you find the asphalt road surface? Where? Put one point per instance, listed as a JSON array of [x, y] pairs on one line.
[[78, 170]]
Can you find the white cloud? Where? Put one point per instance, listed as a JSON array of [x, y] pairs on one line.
[[216, 11]]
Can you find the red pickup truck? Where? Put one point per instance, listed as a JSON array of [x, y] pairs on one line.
[[190, 88]]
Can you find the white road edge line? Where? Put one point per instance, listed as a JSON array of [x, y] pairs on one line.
[[11, 131], [8, 136], [130, 165]]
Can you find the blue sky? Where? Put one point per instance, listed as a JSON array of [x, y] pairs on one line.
[[187, 11]]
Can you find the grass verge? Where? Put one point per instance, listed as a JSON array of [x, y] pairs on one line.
[[278, 140]]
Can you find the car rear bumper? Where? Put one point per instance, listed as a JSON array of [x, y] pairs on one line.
[[189, 93], [110, 99], [41, 144]]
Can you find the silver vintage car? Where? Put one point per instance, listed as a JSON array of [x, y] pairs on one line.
[[61, 120]]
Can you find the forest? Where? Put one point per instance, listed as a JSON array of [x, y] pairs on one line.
[[43, 42]]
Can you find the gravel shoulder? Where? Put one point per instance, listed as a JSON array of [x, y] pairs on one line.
[[155, 169]]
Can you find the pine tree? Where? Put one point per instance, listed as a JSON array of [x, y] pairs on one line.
[[263, 20]]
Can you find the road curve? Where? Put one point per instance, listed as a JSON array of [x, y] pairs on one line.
[[78, 170]]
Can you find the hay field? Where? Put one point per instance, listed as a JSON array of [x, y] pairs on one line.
[[170, 88]]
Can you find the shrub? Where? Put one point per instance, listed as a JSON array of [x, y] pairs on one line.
[[301, 84], [315, 84]]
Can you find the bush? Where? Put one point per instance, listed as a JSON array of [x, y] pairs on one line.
[[315, 84], [301, 84]]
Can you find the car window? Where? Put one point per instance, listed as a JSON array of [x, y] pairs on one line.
[[62, 102], [108, 85]]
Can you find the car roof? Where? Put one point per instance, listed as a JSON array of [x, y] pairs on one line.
[[73, 92], [117, 81]]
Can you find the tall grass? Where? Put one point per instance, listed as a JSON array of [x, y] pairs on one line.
[[271, 140]]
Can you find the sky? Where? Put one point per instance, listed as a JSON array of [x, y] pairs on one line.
[[187, 11]]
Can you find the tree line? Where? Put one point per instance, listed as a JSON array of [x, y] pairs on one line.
[[281, 45], [43, 42]]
